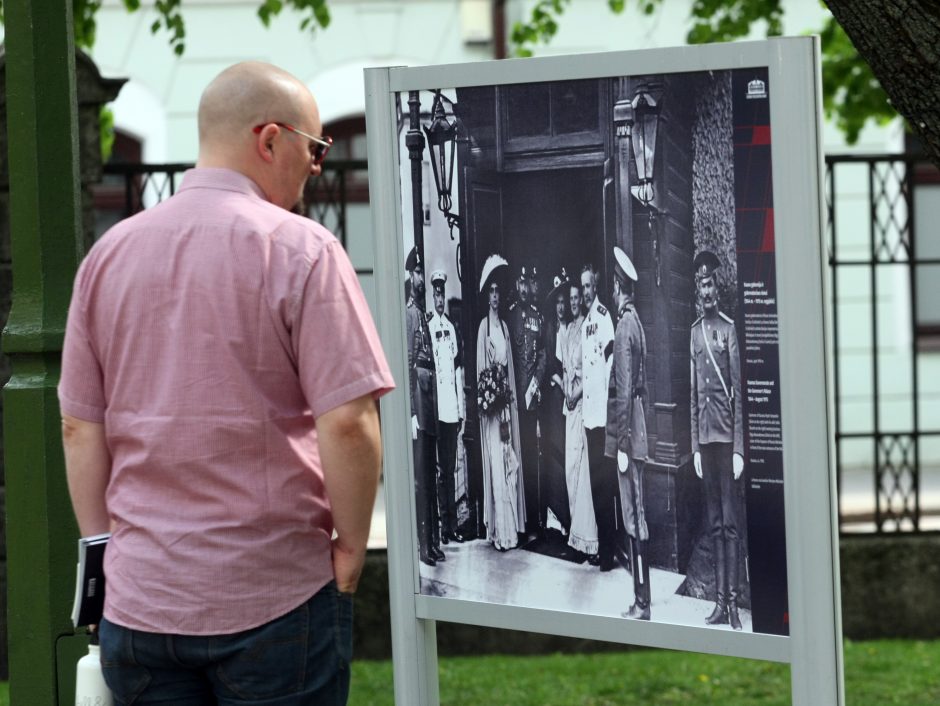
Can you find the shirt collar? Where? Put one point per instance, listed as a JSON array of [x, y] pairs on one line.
[[222, 179]]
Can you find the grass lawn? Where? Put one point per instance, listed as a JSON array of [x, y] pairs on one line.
[[876, 673]]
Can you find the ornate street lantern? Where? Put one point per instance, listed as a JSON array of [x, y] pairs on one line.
[[646, 107], [442, 143]]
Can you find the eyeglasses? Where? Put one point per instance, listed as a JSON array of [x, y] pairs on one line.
[[323, 144]]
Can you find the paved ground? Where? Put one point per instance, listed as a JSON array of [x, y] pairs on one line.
[[476, 571]]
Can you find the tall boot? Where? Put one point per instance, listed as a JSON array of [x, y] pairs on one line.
[[424, 543], [719, 615], [421, 512], [435, 530], [731, 555], [632, 558], [640, 610]]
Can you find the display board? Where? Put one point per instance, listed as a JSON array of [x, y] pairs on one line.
[[600, 277]]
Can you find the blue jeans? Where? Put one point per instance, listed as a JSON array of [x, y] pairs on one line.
[[299, 659]]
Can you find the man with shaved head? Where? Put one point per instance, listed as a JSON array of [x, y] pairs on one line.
[[218, 390]]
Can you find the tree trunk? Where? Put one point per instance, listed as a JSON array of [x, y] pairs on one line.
[[900, 40]]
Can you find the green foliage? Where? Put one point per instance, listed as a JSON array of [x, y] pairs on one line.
[[727, 20], [316, 12], [851, 94], [543, 22], [106, 127], [170, 18], [83, 16]]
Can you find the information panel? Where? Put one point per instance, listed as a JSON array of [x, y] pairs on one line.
[[594, 269]]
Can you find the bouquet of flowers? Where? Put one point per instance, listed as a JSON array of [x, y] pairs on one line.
[[493, 392]]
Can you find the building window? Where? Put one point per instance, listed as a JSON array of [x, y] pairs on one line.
[[349, 143]]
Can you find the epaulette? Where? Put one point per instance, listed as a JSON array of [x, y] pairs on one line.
[[513, 305], [601, 310], [428, 316], [697, 322], [726, 317]]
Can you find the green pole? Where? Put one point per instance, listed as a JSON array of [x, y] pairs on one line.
[[45, 236]]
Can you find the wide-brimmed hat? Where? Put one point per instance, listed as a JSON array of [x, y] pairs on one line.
[[493, 262], [560, 281]]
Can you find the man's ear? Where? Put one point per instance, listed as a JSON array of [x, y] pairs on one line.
[[265, 142]]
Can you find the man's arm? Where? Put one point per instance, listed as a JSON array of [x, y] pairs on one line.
[[351, 455], [87, 469]]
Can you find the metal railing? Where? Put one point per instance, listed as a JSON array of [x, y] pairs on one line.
[[879, 433], [880, 426], [129, 188]]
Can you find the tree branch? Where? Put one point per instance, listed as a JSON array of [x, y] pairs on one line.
[[900, 40]]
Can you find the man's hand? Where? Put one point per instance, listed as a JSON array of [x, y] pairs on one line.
[[697, 462], [738, 465], [347, 566], [623, 461], [414, 427]]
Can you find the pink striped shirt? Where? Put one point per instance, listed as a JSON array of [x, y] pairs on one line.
[[207, 334]]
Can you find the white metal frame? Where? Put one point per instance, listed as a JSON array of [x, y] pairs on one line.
[[814, 646]]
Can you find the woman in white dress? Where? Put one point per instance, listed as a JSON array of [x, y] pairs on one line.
[[583, 533], [503, 499]]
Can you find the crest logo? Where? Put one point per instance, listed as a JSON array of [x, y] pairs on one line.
[[756, 89]]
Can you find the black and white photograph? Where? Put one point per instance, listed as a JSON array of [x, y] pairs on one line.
[[589, 296]]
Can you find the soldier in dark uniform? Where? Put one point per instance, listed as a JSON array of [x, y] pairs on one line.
[[528, 352], [423, 392], [448, 368], [718, 434], [626, 429], [551, 410]]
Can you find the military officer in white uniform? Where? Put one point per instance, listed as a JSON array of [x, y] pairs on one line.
[[718, 434], [448, 366], [597, 345]]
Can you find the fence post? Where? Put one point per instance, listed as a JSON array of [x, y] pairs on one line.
[[45, 235]]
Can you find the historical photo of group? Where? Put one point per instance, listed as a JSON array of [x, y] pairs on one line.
[[590, 308]]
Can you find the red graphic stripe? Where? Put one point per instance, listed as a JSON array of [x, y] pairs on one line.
[[768, 240]]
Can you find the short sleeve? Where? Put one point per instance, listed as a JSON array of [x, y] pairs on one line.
[[81, 386], [337, 348]]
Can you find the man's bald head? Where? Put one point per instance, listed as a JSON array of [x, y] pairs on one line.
[[248, 94], [252, 94]]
